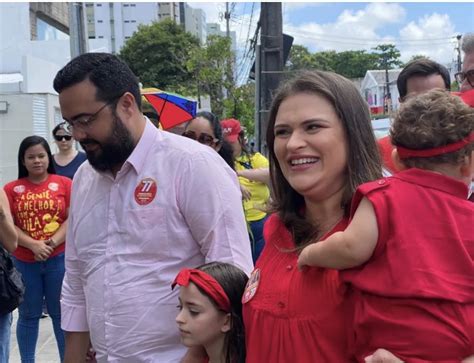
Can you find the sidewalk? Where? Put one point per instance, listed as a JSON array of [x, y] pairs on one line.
[[46, 349]]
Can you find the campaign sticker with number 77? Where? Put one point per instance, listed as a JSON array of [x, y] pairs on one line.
[[145, 191]]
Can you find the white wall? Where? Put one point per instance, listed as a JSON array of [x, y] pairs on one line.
[[17, 124], [14, 35]]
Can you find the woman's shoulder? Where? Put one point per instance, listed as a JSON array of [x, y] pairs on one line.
[[276, 233], [81, 156], [63, 180]]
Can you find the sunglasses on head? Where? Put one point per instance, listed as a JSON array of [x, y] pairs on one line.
[[62, 137], [204, 138]]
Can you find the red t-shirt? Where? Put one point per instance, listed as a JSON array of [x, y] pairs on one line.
[[415, 296], [385, 148], [294, 316], [39, 209]]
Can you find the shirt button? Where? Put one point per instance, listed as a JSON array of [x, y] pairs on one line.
[[289, 267], [382, 181], [281, 304]]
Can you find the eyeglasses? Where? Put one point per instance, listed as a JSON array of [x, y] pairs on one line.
[[85, 121], [462, 76], [204, 138], [62, 137]]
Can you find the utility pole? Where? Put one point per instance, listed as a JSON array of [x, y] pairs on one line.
[[271, 62], [257, 118], [77, 29], [458, 37], [227, 20], [388, 96]]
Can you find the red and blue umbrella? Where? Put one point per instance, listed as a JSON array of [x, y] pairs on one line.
[[172, 109]]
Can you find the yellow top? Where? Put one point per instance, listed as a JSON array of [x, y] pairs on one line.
[[259, 191]]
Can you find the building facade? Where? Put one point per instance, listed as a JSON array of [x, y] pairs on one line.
[[115, 22]]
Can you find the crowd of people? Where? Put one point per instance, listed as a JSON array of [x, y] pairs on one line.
[[155, 247]]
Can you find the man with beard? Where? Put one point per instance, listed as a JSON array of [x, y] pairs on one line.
[[147, 204]]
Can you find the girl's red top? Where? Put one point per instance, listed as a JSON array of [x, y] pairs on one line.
[[39, 209]]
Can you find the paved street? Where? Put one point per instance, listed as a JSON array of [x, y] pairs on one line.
[[46, 350]]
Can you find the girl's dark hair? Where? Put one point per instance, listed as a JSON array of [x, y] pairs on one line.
[[226, 149], [233, 280], [26, 144], [363, 159]]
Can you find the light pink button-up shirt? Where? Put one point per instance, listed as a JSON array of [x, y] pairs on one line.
[[121, 256]]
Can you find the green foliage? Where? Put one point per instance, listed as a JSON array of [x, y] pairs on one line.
[[209, 67], [242, 106], [158, 53], [350, 64], [388, 56]]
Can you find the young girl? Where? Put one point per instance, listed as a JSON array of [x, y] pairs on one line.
[[411, 237], [210, 311]]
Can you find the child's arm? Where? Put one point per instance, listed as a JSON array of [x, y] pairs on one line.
[[345, 249]]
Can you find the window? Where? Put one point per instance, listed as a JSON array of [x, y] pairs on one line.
[[99, 21], [89, 5], [133, 5], [100, 37], [133, 21], [99, 5], [127, 37], [125, 5], [126, 21]]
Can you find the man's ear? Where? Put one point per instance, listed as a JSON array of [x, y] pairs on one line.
[[227, 325], [127, 104], [397, 161]]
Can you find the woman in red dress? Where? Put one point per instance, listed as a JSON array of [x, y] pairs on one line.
[[321, 147]]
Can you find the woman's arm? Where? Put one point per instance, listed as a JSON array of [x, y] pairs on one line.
[[56, 239], [8, 233], [261, 175]]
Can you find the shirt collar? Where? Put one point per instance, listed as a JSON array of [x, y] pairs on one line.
[[434, 180], [138, 156]]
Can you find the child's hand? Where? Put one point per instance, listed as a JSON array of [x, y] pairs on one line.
[[303, 258]]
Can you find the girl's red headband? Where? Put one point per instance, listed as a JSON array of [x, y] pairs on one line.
[[405, 153], [207, 283]]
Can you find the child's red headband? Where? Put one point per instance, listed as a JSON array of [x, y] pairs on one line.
[[405, 153], [207, 283]]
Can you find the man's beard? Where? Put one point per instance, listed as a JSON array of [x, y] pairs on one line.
[[113, 152]]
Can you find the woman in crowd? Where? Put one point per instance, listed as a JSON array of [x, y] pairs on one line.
[[8, 241], [254, 178], [206, 129], [321, 147], [68, 159], [39, 202]]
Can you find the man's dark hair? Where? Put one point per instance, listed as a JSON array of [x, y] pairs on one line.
[[110, 75], [421, 67]]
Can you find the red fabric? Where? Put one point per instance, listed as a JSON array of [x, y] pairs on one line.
[[415, 297], [207, 283], [405, 153], [294, 316], [385, 149], [467, 97], [39, 209]]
